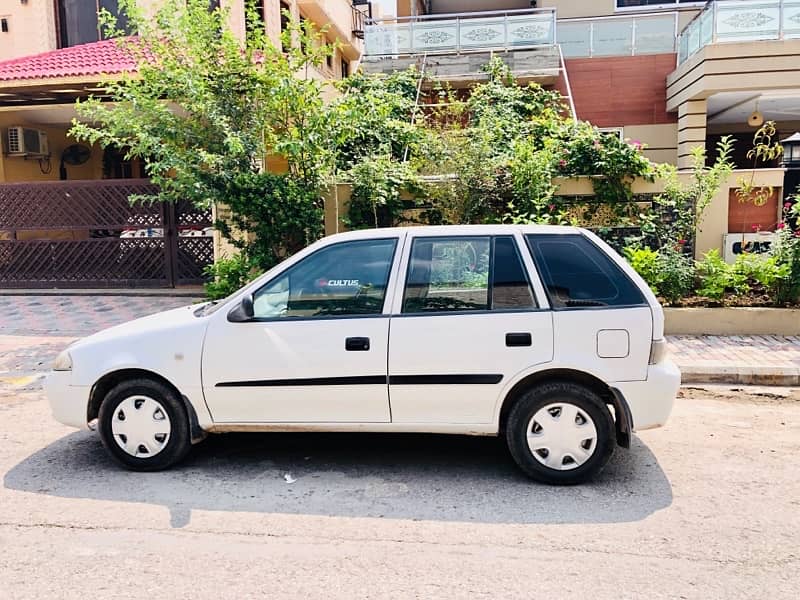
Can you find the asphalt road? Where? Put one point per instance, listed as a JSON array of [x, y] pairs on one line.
[[708, 507]]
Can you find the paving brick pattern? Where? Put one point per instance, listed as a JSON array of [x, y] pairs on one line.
[[77, 315], [746, 351]]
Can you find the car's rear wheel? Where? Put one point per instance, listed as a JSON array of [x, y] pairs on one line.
[[144, 426], [560, 433]]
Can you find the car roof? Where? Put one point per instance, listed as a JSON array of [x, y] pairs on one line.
[[448, 230]]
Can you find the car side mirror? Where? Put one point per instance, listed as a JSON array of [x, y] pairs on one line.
[[244, 311]]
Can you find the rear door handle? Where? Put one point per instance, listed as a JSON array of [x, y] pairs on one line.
[[356, 344], [518, 339]]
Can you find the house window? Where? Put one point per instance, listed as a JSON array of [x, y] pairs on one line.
[[345, 68], [655, 3], [254, 16], [285, 11], [4, 25], [77, 20], [329, 61]]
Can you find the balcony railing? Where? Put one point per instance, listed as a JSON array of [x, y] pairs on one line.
[[618, 36], [456, 33], [740, 21]]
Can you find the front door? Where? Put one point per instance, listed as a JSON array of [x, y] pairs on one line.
[[316, 349], [467, 323]]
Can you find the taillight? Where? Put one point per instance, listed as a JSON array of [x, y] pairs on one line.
[[658, 351]]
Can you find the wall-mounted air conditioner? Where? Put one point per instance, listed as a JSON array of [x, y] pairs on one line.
[[734, 244], [24, 141]]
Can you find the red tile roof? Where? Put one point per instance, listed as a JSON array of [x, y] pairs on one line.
[[96, 58]]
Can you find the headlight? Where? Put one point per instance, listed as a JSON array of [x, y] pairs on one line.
[[63, 362]]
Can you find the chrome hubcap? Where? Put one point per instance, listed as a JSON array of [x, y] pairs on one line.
[[561, 436], [141, 426]]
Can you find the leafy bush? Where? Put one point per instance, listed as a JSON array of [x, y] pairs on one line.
[[648, 264], [677, 274], [787, 253], [228, 275], [718, 278], [271, 216]]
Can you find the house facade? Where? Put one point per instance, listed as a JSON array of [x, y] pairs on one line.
[[673, 75], [65, 219]]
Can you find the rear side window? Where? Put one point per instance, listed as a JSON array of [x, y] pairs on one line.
[[576, 273], [466, 274]]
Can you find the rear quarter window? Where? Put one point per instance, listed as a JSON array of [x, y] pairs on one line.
[[576, 273]]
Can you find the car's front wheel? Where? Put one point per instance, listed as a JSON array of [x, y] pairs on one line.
[[560, 433], [144, 426]]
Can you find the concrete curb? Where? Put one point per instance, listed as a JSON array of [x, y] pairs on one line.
[[738, 375]]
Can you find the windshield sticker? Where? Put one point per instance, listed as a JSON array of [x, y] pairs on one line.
[[339, 283]]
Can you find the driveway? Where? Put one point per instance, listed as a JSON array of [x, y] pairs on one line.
[[708, 507]]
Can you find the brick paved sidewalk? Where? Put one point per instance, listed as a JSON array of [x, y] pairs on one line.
[[749, 359], [33, 329]]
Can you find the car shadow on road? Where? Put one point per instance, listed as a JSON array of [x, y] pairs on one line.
[[399, 476]]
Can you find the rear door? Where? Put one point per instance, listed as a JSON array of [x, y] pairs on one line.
[[602, 322], [465, 321]]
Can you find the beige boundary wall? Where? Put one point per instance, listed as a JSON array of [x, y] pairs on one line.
[[732, 321], [710, 234]]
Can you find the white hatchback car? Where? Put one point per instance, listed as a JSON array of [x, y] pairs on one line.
[[541, 334]]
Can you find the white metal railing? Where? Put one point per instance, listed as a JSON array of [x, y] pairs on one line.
[[740, 21], [461, 32], [626, 35]]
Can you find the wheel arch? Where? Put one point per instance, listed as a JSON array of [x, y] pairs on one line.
[[623, 423], [107, 382]]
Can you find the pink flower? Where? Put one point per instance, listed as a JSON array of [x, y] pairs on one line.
[[596, 143], [562, 163], [756, 227], [682, 242], [551, 206], [787, 205], [781, 225], [636, 144]]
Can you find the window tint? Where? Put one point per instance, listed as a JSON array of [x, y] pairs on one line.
[[344, 279], [448, 274], [577, 273], [510, 286]]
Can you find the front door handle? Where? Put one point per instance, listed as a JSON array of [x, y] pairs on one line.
[[356, 344], [518, 339]]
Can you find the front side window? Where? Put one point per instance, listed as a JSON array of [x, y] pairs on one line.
[[343, 279], [466, 274], [576, 273]]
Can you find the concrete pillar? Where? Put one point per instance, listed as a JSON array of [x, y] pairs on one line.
[[691, 130]]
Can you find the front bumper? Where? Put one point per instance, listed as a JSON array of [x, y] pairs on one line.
[[651, 401], [69, 403]]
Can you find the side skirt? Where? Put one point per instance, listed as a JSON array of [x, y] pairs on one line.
[[479, 429]]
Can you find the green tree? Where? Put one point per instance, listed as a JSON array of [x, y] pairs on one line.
[[203, 111]]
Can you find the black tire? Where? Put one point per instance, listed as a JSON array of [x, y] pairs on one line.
[[177, 444], [530, 402]]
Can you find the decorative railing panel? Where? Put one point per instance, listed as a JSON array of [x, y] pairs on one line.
[[89, 234], [740, 21], [618, 36], [461, 32]]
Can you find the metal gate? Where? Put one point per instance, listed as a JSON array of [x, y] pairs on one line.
[[86, 234]]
